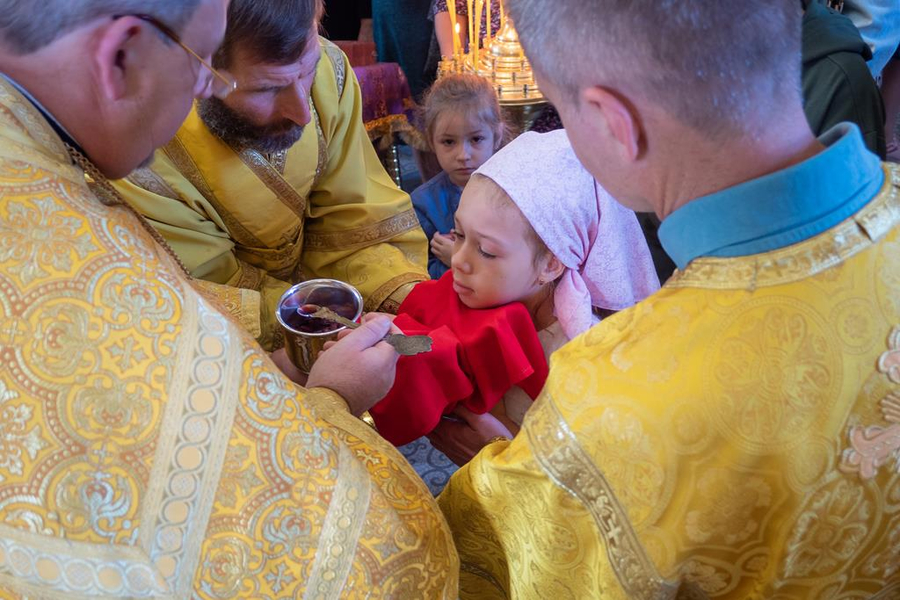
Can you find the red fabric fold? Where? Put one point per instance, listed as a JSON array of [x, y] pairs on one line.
[[477, 356]]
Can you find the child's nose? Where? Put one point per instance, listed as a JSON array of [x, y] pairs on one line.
[[458, 261]]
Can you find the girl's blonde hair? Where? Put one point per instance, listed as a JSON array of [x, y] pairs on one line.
[[467, 93]]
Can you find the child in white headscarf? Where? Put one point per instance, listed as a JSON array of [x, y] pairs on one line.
[[535, 235]]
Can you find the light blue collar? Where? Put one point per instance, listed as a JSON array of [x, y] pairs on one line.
[[779, 209]]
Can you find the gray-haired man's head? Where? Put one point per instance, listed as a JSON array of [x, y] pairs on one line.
[[120, 76], [654, 92], [711, 62], [27, 26]]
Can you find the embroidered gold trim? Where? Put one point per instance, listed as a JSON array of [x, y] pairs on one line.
[[891, 591], [89, 560], [377, 298], [804, 259], [288, 255], [323, 148], [147, 179], [386, 126], [243, 305], [332, 408], [565, 462], [361, 237], [278, 160], [251, 277], [342, 528], [274, 180], [336, 56], [184, 162], [390, 306]]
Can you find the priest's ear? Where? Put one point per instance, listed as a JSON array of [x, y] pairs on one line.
[[617, 117], [120, 52]]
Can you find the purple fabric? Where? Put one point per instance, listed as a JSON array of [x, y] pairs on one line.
[[385, 91]]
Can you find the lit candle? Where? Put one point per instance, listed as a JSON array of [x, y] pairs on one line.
[[490, 28], [471, 15], [479, 6], [454, 26], [502, 14]]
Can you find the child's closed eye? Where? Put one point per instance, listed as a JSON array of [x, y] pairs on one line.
[[485, 254]]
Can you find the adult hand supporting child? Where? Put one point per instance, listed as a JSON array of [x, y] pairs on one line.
[[442, 247], [360, 367], [461, 441]]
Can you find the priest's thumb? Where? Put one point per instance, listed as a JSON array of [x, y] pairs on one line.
[[368, 334]]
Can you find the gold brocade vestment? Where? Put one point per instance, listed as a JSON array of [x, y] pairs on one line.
[[325, 208], [736, 435], [149, 448]]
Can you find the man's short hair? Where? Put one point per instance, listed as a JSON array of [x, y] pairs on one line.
[[270, 31], [27, 26], [709, 63]]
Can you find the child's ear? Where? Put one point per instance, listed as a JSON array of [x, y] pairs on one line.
[[552, 269]]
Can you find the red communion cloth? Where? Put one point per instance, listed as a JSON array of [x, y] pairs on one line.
[[477, 356]]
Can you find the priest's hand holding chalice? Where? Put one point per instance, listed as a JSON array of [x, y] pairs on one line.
[[361, 367]]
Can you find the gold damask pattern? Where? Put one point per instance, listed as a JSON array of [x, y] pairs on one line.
[[565, 462], [149, 448], [730, 439]]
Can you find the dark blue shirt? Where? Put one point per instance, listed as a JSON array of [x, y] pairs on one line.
[[436, 202]]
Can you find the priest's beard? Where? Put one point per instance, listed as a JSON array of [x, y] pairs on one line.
[[231, 127]]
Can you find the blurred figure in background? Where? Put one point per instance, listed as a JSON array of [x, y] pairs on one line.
[[837, 84]]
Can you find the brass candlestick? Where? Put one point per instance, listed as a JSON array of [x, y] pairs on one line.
[[502, 61]]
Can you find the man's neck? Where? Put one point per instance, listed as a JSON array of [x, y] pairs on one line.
[[41, 83], [60, 130], [709, 167]]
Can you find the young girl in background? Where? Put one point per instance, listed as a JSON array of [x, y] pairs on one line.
[[539, 251], [464, 127]]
